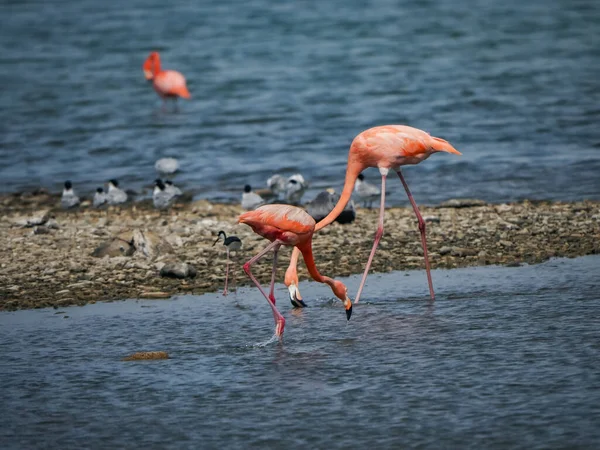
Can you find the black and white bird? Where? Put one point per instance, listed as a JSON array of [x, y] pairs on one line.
[[324, 202], [367, 192], [294, 189], [115, 195], [166, 166], [232, 244], [99, 198], [170, 187], [276, 184], [69, 199], [251, 200], [161, 197]]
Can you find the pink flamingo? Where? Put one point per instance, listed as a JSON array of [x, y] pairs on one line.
[[167, 83], [385, 147], [292, 226]]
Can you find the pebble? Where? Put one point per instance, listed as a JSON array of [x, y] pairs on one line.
[[178, 270]]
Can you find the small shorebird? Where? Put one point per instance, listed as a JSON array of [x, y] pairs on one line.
[[166, 166], [161, 197], [251, 200], [294, 189], [367, 192], [232, 244], [166, 83], [170, 187], [385, 147], [99, 198], [115, 195], [69, 199], [291, 226], [324, 202]]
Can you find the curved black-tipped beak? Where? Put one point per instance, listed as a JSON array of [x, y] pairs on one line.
[[297, 303], [349, 312]]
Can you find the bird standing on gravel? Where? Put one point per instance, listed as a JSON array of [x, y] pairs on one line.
[[115, 195], [161, 197], [69, 199], [251, 200], [367, 192], [294, 189], [324, 202], [170, 187], [99, 198], [232, 244]]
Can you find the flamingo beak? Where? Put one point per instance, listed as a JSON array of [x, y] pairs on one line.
[[148, 74], [348, 305], [295, 297]]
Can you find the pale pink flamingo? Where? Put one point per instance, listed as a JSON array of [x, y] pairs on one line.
[[385, 147], [167, 83], [292, 226]]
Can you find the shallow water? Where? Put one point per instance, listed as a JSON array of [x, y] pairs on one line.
[[285, 86], [505, 358]]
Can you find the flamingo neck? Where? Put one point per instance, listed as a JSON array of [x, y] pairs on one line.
[[156, 65], [309, 260], [291, 274], [352, 172]]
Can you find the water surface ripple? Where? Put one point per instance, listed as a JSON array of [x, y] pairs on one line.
[[285, 86], [505, 358]]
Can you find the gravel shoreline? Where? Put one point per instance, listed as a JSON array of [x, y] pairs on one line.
[[51, 265]]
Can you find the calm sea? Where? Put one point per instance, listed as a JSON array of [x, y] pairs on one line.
[[285, 86]]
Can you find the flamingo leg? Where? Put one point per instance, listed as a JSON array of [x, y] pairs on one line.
[[271, 292], [378, 234], [226, 273], [279, 320], [422, 230]]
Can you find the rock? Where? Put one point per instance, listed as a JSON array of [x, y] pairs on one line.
[[41, 230], [142, 356], [178, 270], [154, 294], [40, 218], [462, 252], [431, 219], [444, 250], [150, 244], [114, 247], [462, 203]]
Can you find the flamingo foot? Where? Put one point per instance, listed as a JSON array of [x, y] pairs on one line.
[[225, 293], [279, 326]]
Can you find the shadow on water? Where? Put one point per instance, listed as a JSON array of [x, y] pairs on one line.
[[504, 357]]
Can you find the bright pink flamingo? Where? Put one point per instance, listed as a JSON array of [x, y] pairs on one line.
[[288, 225], [167, 83], [385, 147]]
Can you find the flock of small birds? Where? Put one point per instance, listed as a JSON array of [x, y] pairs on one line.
[[279, 189]]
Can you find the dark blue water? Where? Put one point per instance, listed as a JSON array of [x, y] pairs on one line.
[[285, 87], [505, 358]]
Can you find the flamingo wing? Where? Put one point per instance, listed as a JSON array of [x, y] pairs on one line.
[[285, 218]]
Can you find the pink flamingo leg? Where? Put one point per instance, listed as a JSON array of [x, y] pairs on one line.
[[422, 230], [271, 292], [226, 274], [279, 320], [378, 235]]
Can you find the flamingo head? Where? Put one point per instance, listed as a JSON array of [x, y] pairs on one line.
[[341, 291], [295, 296], [151, 65]]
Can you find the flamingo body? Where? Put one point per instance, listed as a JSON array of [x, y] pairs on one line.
[[166, 83], [385, 147], [291, 226]]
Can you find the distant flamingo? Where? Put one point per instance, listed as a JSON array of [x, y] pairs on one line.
[[385, 147], [288, 225], [167, 83]]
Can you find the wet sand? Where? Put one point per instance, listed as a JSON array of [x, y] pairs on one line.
[[52, 264]]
